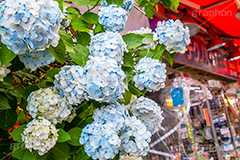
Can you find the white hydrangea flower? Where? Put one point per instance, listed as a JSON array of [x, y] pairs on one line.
[[150, 74], [4, 70], [40, 135], [29, 24], [148, 112], [100, 141], [135, 138], [70, 82], [148, 44], [49, 104], [173, 35], [104, 79], [113, 113], [108, 44], [112, 17]]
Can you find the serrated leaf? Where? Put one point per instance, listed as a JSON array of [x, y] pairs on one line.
[[128, 60], [80, 55], [79, 25], [67, 40], [83, 38], [134, 90], [142, 3], [166, 3], [63, 136], [149, 11], [4, 102], [90, 17], [50, 75], [158, 51], [85, 2], [133, 40], [8, 118], [117, 2], [75, 134], [16, 133], [168, 57], [127, 97], [61, 151], [58, 52], [6, 55], [175, 4]]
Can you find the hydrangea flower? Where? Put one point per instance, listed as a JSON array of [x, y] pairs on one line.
[[127, 5], [40, 135], [148, 44], [148, 112], [112, 18], [36, 59], [69, 82], [173, 35], [4, 70], [49, 104], [108, 44], [100, 141], [135, 138], [150, 74], [113, 113], [104, 79], [29, 25]]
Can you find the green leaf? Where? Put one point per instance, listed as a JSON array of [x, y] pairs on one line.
[[158, 51], [50, 75], [128, 60], [4, 102], [16, 133], [80, 54], [88, 112], [8, 118], [168, 57], [90, 17], [6, 55], [82, 155], [129, 73], [31, 88], [127, 97], [85, 2], [98, 28], [117, 2], [34, 156], [142, 3], [166, 3], [75, 134], [134, 90], [67, 40], [133, 40], [63, 136], [149, 11], [80, 25], [149, 36], [59, 51], [83, 38], [61, 151], [72, 13], [60, 3], [19, 150], [173, 55], [175, 4]]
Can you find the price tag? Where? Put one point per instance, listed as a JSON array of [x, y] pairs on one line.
[[177, 96]]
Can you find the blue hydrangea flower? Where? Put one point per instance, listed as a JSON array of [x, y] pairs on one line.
[[113, 113], [104, 79], [150, 74], [135, 138], [127, 5], [148, 112], [29, 25], [173, 35], [46, 102], [33, 60], [113, 18], [148, 44], [108, 44], [69, 82], [100, 141]]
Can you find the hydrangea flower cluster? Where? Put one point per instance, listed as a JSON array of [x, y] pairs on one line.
[[29, 25], [112, 18], [150, 74], [49, 104], [114, 113], [127, 5], [173, 35], [104, 79], [40, 135], [4, 70], [108, 44], [69, 82], [148, 44], [36, 59], [135, 138], [148, 112], [100, 141]]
